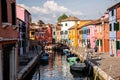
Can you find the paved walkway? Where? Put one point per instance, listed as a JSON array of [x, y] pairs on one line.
[[25, 59], [110, 65]]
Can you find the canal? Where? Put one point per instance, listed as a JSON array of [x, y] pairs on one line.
[[57, 68]]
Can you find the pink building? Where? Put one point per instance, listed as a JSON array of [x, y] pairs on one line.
[[23, 20], [91, 35]]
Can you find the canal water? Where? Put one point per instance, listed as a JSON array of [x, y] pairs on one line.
[[57, 68]]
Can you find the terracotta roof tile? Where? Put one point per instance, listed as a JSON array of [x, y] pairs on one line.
[[72, 18]]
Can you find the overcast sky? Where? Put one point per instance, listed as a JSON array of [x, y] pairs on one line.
[[49, 10]]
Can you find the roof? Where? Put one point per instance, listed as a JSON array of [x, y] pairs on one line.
[[71, 18], [114, 6], [95, 22]]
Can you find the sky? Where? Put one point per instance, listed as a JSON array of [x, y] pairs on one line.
[[49, 10]]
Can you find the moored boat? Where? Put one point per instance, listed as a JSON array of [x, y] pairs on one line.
[[44, 56], [78, 67]]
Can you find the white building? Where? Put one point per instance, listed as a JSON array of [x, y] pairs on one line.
[[65, 25]]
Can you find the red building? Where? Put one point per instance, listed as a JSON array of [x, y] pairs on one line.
[[8, 40], [45, 34]]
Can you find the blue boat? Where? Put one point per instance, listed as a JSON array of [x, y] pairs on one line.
[[44, 56]]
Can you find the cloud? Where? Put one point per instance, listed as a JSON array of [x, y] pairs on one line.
[[52, 6], [49, 8]]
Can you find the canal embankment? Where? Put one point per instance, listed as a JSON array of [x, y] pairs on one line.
[[26, 69], [104, 66]]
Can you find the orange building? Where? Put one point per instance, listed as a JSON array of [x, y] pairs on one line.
[[118, 30], [102, 34], [58, 30]]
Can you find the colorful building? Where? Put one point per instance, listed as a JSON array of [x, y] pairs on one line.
[[44, 35], [65, 25], [113, 27], [24, 21], [118, 29], [54, 33], [73, 35], [102, 34], [79, 29], [58, 31], [88, 37], [8, 40]]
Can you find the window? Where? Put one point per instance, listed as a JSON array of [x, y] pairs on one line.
[[61, 24], [112, 13], [88, 31], [32, 33], [110, 27], [97, 42], [65, 24], [61, 32], [118, 44], [116, 26], [66, 32], [23, 36], [54, 33], [23, 28], [13, 7], [42, 34], [4, 11]]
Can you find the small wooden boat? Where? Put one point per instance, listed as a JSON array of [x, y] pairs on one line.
[[78, 67], [44, 56]]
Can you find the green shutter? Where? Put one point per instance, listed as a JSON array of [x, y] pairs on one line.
[[97, 42], [117, 26], [114, 26], [117, 44]]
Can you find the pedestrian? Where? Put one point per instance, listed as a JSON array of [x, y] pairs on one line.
[[96, 48]]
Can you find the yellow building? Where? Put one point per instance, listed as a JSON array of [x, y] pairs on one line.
[[73, 35], [79, 30]]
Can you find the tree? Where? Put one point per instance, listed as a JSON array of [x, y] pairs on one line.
[[62, 17], [40, 22]]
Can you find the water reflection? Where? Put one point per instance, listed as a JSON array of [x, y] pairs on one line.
[[57, 68]]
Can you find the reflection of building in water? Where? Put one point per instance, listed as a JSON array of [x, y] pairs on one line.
[[50, 62], [58, 60]]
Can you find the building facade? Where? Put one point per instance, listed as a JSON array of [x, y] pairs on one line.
[[118, 29], [24, 21], [102, 34], [79, 29], [65, 25], [58, 33], [113, 29], [8, 40]]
